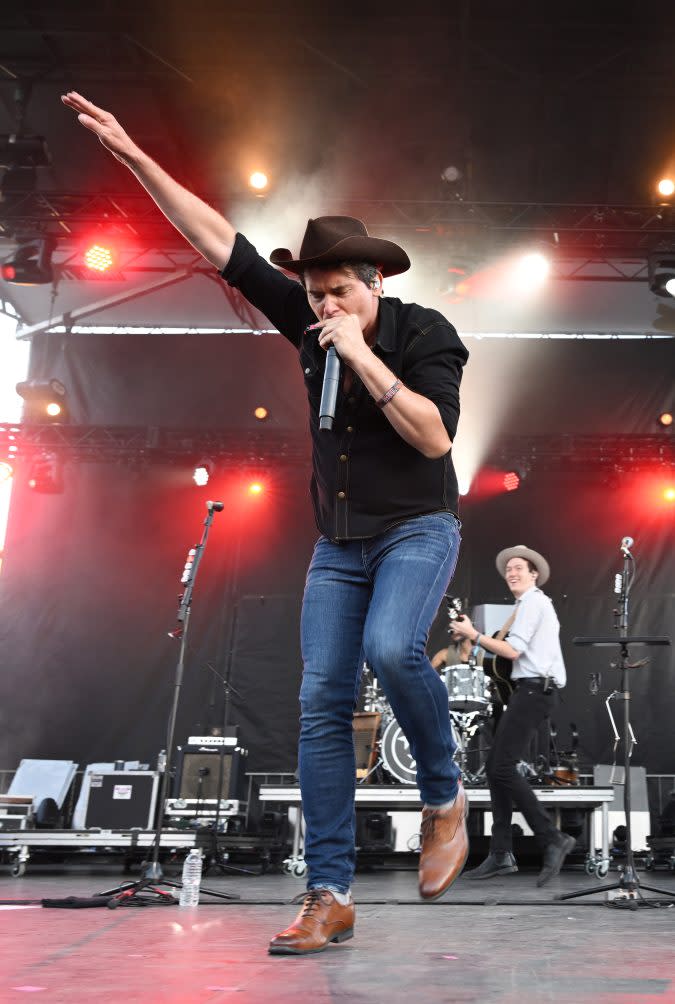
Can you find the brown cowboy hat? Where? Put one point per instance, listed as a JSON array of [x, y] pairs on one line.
[[332, 239], [521, 551]]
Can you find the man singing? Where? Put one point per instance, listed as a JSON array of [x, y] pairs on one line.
[[385, 500], [538, 674]]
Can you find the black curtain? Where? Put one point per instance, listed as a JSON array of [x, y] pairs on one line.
[[90, 577]]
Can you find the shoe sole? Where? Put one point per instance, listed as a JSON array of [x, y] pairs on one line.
[[342, 936]]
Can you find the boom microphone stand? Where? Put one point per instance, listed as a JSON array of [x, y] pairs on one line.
[[628, 882], [152, 871]]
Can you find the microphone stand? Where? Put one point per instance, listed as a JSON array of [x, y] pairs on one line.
[[152, 870], [629, 883]]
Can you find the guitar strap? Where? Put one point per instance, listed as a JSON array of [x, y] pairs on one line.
[[503, 631]]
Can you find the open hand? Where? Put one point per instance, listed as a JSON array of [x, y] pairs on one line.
[[104, 125]]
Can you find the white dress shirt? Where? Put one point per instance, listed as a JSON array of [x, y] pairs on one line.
[[535, 634]]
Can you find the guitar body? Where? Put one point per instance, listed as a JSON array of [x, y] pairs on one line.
[[499, 670]]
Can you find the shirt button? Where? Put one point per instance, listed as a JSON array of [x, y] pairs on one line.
[[341, 495], [307, 370], [343, 457], [350, 428]]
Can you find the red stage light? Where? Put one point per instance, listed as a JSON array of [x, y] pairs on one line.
[[511, 481], [256, 488], [99, 258], [261, 413], [669, 493], [665, 419]]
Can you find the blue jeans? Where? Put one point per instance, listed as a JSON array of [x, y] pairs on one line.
[[371, 600]]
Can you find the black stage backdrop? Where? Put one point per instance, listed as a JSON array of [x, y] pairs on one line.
[[90, 577]]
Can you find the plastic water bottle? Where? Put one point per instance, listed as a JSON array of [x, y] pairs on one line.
[[191, 879]]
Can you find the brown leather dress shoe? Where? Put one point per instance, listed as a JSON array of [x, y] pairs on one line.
[[445, 846], [321, 920]]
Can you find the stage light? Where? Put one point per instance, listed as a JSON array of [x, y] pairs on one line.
[[258, 181], [44, 399], [202, 472], [46, 474], [511, 481], [665, 419], [661, 275], [666, 187], [534, 267], [99, 258], [31, 265], [6, 471], [669, 493], [261, 413], [451, 174], [255, 488]]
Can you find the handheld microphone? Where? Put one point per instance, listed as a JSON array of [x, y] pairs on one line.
[[331, 381], [215, 506], [626, 544]]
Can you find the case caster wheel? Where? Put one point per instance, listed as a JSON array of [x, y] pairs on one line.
[[18, 869], [602, 869], [649, 863], [299, 869]]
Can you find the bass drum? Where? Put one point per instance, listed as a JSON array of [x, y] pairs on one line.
[[396, 756]]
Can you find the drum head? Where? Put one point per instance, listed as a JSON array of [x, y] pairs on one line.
[[396, 755]]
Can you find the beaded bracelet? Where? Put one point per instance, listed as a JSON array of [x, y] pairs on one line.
[[386, 398]]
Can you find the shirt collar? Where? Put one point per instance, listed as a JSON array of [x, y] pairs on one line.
[[532, 589]]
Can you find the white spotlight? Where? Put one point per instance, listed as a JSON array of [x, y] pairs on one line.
[[534, 267], [670, 286]]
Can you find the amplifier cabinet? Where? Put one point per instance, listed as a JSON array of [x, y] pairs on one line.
[[120, 800], [199, 768]]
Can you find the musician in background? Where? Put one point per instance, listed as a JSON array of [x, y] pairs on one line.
[[457, 653], [533, 645]]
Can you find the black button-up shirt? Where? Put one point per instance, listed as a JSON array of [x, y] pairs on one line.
[[365, 476]]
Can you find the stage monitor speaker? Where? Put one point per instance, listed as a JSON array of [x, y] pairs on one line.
[[198, 769]]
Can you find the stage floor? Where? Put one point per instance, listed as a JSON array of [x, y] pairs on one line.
[[502, 940]]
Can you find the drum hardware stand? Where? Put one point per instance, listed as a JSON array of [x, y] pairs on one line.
[[629, 883], [146, 889]]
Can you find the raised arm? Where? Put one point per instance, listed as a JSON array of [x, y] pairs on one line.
[[208, 232]]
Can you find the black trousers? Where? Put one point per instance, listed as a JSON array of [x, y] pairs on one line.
[[526, 710]]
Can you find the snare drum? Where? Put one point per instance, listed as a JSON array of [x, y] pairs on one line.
[[468, 689]]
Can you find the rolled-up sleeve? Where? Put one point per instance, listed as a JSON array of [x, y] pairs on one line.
[[433, 366], [528, 619]]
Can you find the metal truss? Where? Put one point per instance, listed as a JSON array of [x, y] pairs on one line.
[[611, 230], [145, 445]]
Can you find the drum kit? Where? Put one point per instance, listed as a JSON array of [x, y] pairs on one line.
[[470, 703]]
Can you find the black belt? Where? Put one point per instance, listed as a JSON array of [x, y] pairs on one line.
[[538, 681]]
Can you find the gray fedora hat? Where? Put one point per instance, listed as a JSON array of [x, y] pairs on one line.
[[329, 240], [521, 551]]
